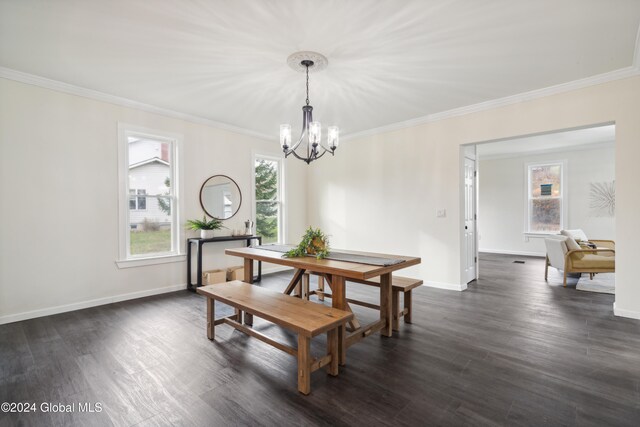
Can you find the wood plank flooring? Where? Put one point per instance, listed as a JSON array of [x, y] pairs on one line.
[[511, 350]]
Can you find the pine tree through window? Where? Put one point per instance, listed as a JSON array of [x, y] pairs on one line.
[[268, 199]]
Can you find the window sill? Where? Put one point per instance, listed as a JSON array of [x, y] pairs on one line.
[[539, 235], [141, 262]]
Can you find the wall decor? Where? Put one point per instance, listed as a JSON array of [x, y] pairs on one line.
[[602, 198]]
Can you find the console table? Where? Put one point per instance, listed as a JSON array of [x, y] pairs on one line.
[[201, 242]]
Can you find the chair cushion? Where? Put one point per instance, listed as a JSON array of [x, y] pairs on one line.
[[576, 234], [595, 261], [573, 245]]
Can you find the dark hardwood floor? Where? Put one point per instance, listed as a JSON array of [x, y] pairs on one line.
[[511, 350]]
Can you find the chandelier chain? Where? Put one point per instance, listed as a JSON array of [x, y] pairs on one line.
[[307, 85]]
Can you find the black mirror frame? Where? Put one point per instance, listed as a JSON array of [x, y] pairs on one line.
[[202, 204]]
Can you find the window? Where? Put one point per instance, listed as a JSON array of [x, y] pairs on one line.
[[149, 214], [137, 203], [546, 193], [268, 196]]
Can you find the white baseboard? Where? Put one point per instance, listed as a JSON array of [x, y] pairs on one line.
[[507, 252], [625, 313], [447, 286], [87, 304]]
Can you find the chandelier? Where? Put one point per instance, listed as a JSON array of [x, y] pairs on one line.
[[311, 133]]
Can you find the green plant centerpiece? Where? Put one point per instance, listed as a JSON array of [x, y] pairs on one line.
[[314, 242], [205, 226]]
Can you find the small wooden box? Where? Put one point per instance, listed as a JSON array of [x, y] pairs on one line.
[[235, 273], [211, 277]]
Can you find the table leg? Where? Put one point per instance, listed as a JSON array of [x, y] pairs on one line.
[[199, 267], [386, 309], [248, 277], [189, 285], [339, 301]]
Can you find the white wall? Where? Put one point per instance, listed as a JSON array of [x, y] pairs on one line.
[[59, 204], [381, 192], [502, 198]]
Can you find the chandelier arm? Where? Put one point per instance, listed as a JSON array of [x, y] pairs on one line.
[[323, 153], [297, 144], [304, 159]]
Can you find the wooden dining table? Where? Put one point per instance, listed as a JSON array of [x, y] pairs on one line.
[[336, 274]]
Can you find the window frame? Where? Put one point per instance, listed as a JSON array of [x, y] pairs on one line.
[[282, 235], [563, 197], [176, 254]]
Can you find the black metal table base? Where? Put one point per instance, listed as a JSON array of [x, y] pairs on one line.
[[200, 242]]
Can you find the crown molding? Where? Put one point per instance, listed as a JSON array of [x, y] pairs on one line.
[[565, 149], [46, 83], [620, 74]]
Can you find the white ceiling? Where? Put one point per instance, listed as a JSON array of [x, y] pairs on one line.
[[389, 61], [602, 136]]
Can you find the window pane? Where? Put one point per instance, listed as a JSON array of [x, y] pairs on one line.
[[149, 165], [266, 179], [132, 200], [545, 215], [150, 230], [267, 214], [545, 176]]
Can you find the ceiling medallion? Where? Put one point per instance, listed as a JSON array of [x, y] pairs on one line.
[[311, 131]]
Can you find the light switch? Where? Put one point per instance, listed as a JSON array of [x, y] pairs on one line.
[[441, 213]]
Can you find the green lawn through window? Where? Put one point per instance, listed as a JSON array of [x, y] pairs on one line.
[[148, 242]]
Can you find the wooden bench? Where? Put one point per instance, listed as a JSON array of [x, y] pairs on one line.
[[399, 284], [305, 318]]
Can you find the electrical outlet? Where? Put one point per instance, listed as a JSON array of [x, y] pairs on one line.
[[441, 213]]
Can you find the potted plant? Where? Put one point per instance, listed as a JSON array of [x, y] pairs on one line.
[[314, 242], [205, 226]]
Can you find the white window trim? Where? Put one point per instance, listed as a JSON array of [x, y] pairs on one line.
[[564, 195], [282, 234], [125, 260]]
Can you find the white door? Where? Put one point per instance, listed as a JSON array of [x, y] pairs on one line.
[[470, 259]]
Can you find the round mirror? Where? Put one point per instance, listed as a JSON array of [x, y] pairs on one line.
[[220, 197]]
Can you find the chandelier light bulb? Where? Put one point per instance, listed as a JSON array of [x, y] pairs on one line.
[[285, 136], [315, 133], [333, 136]]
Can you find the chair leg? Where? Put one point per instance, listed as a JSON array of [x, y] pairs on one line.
[[546, 268], [564, 283]]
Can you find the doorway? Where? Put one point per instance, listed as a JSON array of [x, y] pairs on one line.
[[510, 213]]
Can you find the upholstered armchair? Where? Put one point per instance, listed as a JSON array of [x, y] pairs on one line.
[[581, 238], [565, 254]]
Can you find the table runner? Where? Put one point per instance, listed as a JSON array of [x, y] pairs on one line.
[[339, 256]]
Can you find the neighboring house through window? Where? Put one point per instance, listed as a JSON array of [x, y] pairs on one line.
[[268, 198], [149, 194], [546, 194]]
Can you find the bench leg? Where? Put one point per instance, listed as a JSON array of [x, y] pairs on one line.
[[321, 288], [396, 310], [386, 311], [210, 318], [304, 364], [407, 306], [248, 277], [332, 349]]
